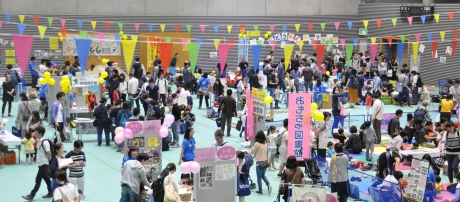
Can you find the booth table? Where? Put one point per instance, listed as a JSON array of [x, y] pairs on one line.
[[84, 126], [8, 139]]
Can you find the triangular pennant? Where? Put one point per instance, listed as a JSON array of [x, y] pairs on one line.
[[451, 17], [434, 47], [454, 46], [259, 42], [288, 48], [50, 21], [436, 17], [84, 33], [323, 25], [165, 53], [229, 28], [23, 46], [429, 35], [36, 18], [400, 51], [189, 27], [272, 44], [117, 38], [417, 37], [162, 27], [150, 26], [365, 23], [403, 38], [1, 23], [455, 32], [409, 19], [393, 20], [80, 23], [151, 40], [390, 39], [337, 24], [379, 22], [8, 17], [348, 52], [423, 18], [329, 43], [63, 31], [200, 41], [120, 25], [107, 25], [216, 28], [134, 37], [202, 27], [223, 53], [373, 39], [415, 46], [287, 42], [168, 39], [297, 27], [231, 42], [83, 49], [100, 36], [242, 27], [342, 42], [256, 28], [272, 28], [216, 43], [350, 24], [21, 28], [256, 51], [442, 34], [41, 30], [136, 26], [373, 48], [93, 24], [193, 51], [355, 42], [300, 44], [128, 53], [21, 18], [310, 26], [315, 44], [63, 22], [184, 42], [176, 27], [284, 27]]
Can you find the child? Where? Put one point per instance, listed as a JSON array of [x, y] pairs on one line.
[[277, 96], [28, 142], [186, 181], [169, 94], [368, 102], [131, 99], [330, 149], [318, 91], [369, 138], [340, 135], [369, 86], [272, 147], [116, 93], [439, 186], [188, 117]]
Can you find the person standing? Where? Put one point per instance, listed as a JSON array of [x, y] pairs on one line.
[[282, 149], [352, 90], [177, 116], [450, 148], [339, 179], [162, 84], [76, 175], [133, 85], [103, 122], [377, 116], [260, 151], [8, 95], [415, 91], [133, 174], [273, 81], [228, 108], [34, 72], [58, 117], [188, 76], [403, 80], [43, 158], [307, 75], [322, 135], [203, 90], [188, 147], [137, 69], [123, 87], [23, 114], [280, 74]]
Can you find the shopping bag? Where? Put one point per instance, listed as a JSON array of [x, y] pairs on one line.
[[244, 188], [218, 122], [239, 125], [16, 132], [183, 127]]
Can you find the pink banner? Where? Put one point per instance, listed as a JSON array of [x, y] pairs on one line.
[[136, 26], [250, 117], [202, 27], [299, 125], [386, 120], [272, 28], [63, 22], [184, 43], [152, 126], [337, 24], [135, 126], [342, 41], [207, 154], [226, 153], [273, 44], [100, 35], [417, 37], [22, 45], [223, 52], [373, 52]]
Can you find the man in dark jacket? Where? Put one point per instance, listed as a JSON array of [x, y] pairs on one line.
[[307, 75], [137, 69], [187, 74], [228, 108]]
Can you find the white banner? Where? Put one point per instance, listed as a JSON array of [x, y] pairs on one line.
[[108, 47], [308, 194]]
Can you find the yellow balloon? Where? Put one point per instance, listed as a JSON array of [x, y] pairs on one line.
[[61, 83], [43, 81], [104, 75], [121, 33], [313, 107], [59, 34], [70, 88], [244, 35], [124, 37], [266, 35], [268, 100], [240, 35], [52, 82], [319, 116], [46, 75], [328, 73], [65, 77], [65, 90], [101, 80], [61, 39], [104, 61], [269, 33], [66, 83]]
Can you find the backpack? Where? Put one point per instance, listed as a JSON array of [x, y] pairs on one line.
[[14, 77], [158, 190], [389, 126], [279, 138], [419, 115], [138, 72], [48, 172], [355, 82], [419, 82], [208, 113], [357, 146], [26, 114]]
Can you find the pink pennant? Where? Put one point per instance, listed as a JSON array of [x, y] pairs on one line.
[[63, 22], [202, 27], [100, 35], [373, 52], [223, 52], [136, 25], [184, 42], [337, 24], [272, 43], [417, 37], [410, 20], [342, 42], [272, 27], [23, 45], [1, 23]]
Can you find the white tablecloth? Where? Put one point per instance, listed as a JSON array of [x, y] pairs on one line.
[[415, 153], [7, 138]]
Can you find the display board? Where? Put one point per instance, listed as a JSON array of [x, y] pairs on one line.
[[417, 180], [256, 112], [108, 46]]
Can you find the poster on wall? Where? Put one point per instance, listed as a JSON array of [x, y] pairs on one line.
[[88, 80], [225, 172], [48, 54], [108, 47], [207, 176]]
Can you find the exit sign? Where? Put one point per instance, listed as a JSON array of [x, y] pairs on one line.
[[362, 31]]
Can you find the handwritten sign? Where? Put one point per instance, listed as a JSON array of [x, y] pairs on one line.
[[152, 126], [10, 61], [153, 142], [135, 126], [226, 153], [88, 80], [258, 107], [207, 154], [10, 53], [54, 40], [54, 46]]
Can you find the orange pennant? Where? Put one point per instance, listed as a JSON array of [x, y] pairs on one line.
[[451, 16], [107, 25], [455, 32], [231, 43], [310, 26], [389, 38], [176, 26], [379, 22], [64, 31]]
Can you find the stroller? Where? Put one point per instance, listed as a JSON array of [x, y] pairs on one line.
[[312, 170], [250, 160]]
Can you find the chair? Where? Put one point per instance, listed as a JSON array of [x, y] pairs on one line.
[[435, 99]]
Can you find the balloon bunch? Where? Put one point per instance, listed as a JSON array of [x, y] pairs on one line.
[[319, 116], [169, 119], [47, 79], [191, 166], [61, 38], [268, 34], [242, 34], [121, 134], [104, 74], [65, 84], [123, 36]]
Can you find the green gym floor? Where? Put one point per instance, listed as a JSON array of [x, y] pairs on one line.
[[103, 170]]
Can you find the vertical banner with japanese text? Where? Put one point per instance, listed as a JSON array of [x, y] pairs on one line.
[[299, 125]]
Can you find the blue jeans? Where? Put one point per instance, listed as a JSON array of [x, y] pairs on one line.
[[174, 126], [405, 91], [261, 176], [285, 97], [238, 96], [308, 86], [99, 134], [416, 95], [127, 194], [271, 91]]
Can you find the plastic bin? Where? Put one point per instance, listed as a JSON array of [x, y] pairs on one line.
[[386, 100]]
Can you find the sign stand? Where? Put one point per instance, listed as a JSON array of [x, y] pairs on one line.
[[417, 180], [256, 113]]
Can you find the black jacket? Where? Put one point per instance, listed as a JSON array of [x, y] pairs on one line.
[[101, 115]]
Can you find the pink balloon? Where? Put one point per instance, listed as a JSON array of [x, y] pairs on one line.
[[164, 131], [185, 167], [194, 167], [119, 138], [168, 119], [119, 130], [128, 133]]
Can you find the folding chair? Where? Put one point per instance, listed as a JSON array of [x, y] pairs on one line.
[[434, 99]]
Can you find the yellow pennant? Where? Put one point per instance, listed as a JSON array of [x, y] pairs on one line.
[[365, 22], [128, 52], [21, 18], [93, 23], [288, 53], [162, 26], [12, 44], [373, 39], [42, 30], [216, 43], [436, 17], [300, 43], [297, 27], [415, 50], [442, 34], [186, 47], [229, 28], [134, 37]]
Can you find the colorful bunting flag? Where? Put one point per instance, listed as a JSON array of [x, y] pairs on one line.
[[200, 41], [288, 48], [272, 28], [379, 22], [216, 43], [297, 27], [300, 44], [342, 42], [93, 24], [454, 46], [80, 23], [429, 35], [373, 39], [216, 28], [184, 42], [373, 48], [415, 46], [393, 20], [322, 25], [41, 30], [403, 38], [1, 23], [63, 22], [423, 18], [36, 18], [128, 53], [189, 27], [310, 26], [193, 51], [84, 33], [455, 32], [355, 42], [8, 17], [176, 27], [451, 17], [284, 27], [150, 26], [436, 17], [272, 44], [107, 25], [120, 25], [136, 26], [315, 44], [350, 24], [229, 28], [434, 47], [83, 48], [63, 31], [348, 51], [117, 38], [100, 36], [365, 22], [409, 19], [162, 27], [256, 51], [337, 24], [202, 27], [256, 28], [165, 53], [168, 39], [223, 53], [417, 37], [400, 51], [390, 39], [242, 27], [21, 28], [442, 34], [231, 42], [23, 47], [21, 18], [50, 21]]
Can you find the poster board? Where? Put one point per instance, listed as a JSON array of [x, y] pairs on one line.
[[107, 47], [257, 112], [417, 180]]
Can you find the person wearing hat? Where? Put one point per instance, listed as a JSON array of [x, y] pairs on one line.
[[102, 122]]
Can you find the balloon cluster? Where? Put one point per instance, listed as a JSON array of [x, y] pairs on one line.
[[242, 34], [47, 79], [123, 36], [191, 166], [268, 34], [121, 134], [104, 74], [169, 119], [65, 84], [319, 116], [61, 38]]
